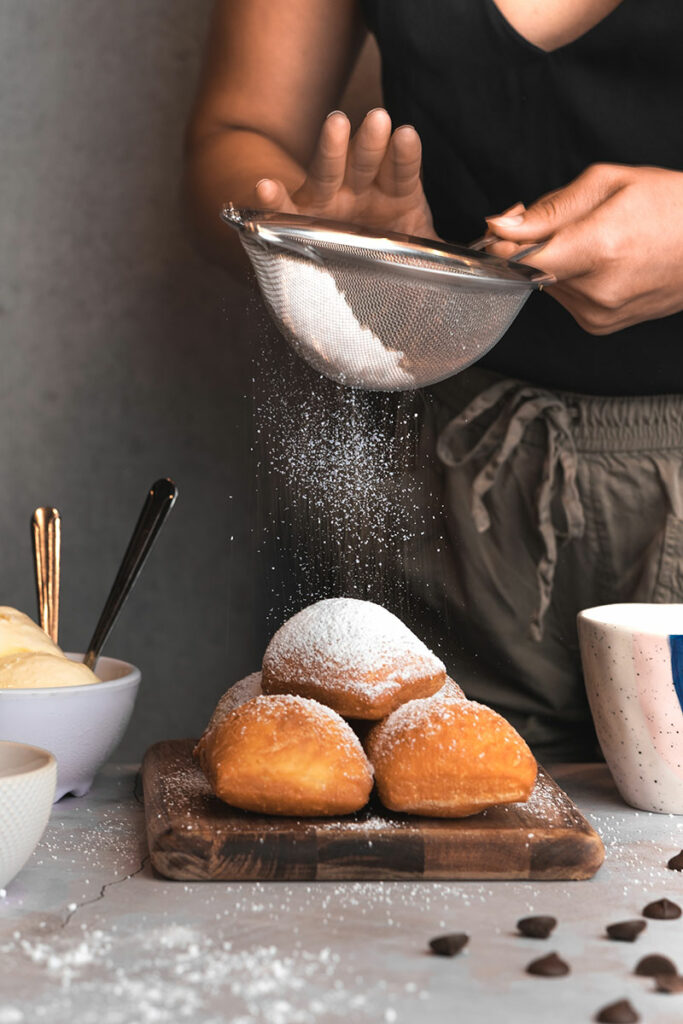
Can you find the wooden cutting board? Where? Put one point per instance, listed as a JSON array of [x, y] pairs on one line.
[[193, 835]]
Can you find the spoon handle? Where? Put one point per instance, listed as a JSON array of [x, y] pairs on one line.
[[158, 503], [46, 531]]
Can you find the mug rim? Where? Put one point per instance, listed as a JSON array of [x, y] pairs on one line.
[[596, 616]]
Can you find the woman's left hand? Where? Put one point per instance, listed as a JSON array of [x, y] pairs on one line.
[[613, 240]]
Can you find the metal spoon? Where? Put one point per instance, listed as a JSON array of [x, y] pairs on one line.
[[46, 531], [158, 503]]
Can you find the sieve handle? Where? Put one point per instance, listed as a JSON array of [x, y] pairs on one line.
[[480, 243], [488, 239]]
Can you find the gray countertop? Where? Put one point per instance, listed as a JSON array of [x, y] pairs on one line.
[[88, 933]]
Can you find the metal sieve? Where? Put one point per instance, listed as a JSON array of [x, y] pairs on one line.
[[385, 312]]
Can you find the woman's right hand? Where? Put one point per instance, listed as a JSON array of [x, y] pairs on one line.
[[372, 179]]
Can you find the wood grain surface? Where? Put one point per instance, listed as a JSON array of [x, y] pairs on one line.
[[193, 835]]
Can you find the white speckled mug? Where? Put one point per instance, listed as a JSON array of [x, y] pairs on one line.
[[632, 656]]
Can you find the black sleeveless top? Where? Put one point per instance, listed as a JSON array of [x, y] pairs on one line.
[[502, 121]]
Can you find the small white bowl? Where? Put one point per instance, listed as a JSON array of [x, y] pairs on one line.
[[27, 786], [80, 725]]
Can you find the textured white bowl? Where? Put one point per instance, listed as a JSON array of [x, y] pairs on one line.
[[27, 786], [80, 725]]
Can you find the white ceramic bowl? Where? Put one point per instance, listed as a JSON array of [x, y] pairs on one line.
[[27, 787], [80, 725]]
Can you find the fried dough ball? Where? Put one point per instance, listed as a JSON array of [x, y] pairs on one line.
[[239, 693], [286, 755], [448, 757], [352, 655]]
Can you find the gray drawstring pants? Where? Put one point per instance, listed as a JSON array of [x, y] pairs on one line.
[[540, 503]]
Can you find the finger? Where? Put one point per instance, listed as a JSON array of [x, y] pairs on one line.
[[399, 174], [572, 252], [512, 211], [367, 150], [489, 238], [559, 208], [326, 172], [591, 317], [505, 250], [271, 194]]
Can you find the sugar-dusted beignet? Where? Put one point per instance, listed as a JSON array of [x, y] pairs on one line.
[[285, 754], [352, 655], [239, 693], [448, 757], [450, 689]]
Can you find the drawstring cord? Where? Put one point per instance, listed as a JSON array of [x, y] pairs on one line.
[[523, 404]]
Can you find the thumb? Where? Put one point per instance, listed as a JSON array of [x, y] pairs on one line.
[[271, 194], [557, 209]]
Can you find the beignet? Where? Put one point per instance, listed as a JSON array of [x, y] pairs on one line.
[[285, 754], [448, 757], [352, 655]]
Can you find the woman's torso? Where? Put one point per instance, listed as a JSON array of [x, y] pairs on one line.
[[503, 120]]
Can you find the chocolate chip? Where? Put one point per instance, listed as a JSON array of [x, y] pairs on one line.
[[652, 965], [676, 863], [449, 945], [668, 983], [536, 927], [548, 966], [626, 931], [618, 1013], [662, 910]]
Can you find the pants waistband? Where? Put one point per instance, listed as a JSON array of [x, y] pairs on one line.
[[599, 422]]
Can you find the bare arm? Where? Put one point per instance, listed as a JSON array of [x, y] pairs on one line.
[[272, 72], [261, 134]]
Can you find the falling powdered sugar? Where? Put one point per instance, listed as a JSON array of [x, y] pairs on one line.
[[340, 508]]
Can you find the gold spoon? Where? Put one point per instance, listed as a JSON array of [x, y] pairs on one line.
[[46, 530]]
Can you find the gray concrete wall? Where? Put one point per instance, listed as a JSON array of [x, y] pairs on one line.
[[122, 356]]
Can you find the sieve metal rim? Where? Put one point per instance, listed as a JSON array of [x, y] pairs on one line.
[[309, 238]]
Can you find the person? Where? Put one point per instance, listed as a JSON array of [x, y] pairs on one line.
[[554, 465]]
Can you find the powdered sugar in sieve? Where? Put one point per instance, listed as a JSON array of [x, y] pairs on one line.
[[317, 313]]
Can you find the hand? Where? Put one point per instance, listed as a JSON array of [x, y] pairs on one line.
[[614, 241], [372, 179]]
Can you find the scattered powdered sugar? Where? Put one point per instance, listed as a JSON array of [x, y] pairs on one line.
[[328, 334], [346, 642], [179, 972], [11, 1015]]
